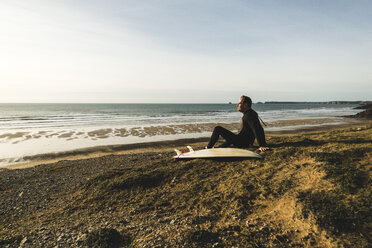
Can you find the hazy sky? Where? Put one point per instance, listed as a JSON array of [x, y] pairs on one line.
[[176, 51]]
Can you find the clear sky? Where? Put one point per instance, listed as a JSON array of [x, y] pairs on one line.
[[179, 51]]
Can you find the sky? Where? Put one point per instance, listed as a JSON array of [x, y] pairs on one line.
[[185, 51]]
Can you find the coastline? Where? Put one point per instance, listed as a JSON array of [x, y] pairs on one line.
[[287, 127], [145, 198], [61, 129]]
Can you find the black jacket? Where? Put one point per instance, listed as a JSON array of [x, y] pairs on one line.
[[252, 129]]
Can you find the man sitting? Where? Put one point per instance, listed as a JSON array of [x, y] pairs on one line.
[[251, 129]]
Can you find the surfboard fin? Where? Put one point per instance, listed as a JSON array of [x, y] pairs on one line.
[[190, 149], [178, 152]]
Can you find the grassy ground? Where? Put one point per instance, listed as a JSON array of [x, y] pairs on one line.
[[312, 189]]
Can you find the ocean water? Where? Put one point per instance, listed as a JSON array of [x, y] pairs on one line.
[[31, 129], [30, 116]]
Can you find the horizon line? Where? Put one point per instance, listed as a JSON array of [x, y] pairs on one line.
[[258, 102]]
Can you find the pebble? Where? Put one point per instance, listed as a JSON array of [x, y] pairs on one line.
[[80, 239], [174, 180], [24, 240], [60, 238]]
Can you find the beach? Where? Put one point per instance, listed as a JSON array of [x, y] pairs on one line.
[[102, 101], [105, 141], [29, 131], [137, 195]]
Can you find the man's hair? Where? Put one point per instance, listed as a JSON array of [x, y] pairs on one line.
[[247, 100]]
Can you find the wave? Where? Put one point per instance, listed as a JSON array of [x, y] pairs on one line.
[[97, 115]]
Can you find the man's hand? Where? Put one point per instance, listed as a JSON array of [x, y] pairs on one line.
[[262, 149]]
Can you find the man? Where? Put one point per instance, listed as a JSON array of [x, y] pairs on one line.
[[251, 129]]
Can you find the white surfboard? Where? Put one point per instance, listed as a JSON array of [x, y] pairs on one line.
[[217, 153]]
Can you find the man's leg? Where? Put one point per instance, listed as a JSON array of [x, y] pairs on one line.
[[229, 136], [225, 144]]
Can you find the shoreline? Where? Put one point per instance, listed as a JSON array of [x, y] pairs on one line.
[[146, 198], [164, 145]]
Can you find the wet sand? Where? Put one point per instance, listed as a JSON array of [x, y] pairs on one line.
[[169, 145], [173, 129], [148, 199]]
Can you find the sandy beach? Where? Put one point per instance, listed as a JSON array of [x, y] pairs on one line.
[[139, 196], [99, 100], [27, 131], [167, 134]]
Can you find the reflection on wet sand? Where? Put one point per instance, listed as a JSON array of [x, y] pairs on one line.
[[19, 147], [66, 135], [150, 131], [100, 133], [13, 135]]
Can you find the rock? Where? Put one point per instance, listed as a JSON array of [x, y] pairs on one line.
[[24, 241], [215, 245], [60, 238], [174, 180], [80, 239], [364, 106], [106, 237], [365, 114]]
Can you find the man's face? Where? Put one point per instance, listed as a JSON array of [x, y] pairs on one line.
[[242, 107]]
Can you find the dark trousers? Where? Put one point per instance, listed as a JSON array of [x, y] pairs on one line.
[[229, 136]]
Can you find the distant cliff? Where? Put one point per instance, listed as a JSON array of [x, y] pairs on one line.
[[364, 106]]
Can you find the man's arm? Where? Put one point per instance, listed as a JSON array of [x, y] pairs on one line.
[[258, 131]]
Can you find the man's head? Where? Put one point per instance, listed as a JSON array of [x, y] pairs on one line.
[[244, 104]]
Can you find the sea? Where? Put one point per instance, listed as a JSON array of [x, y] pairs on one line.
[[32, 129]]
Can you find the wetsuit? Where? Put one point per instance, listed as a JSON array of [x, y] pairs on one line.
[[251, 130]]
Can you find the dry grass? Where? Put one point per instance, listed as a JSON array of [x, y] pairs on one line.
[[312, 189]]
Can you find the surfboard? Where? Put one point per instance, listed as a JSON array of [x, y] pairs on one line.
[[216, 153]]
